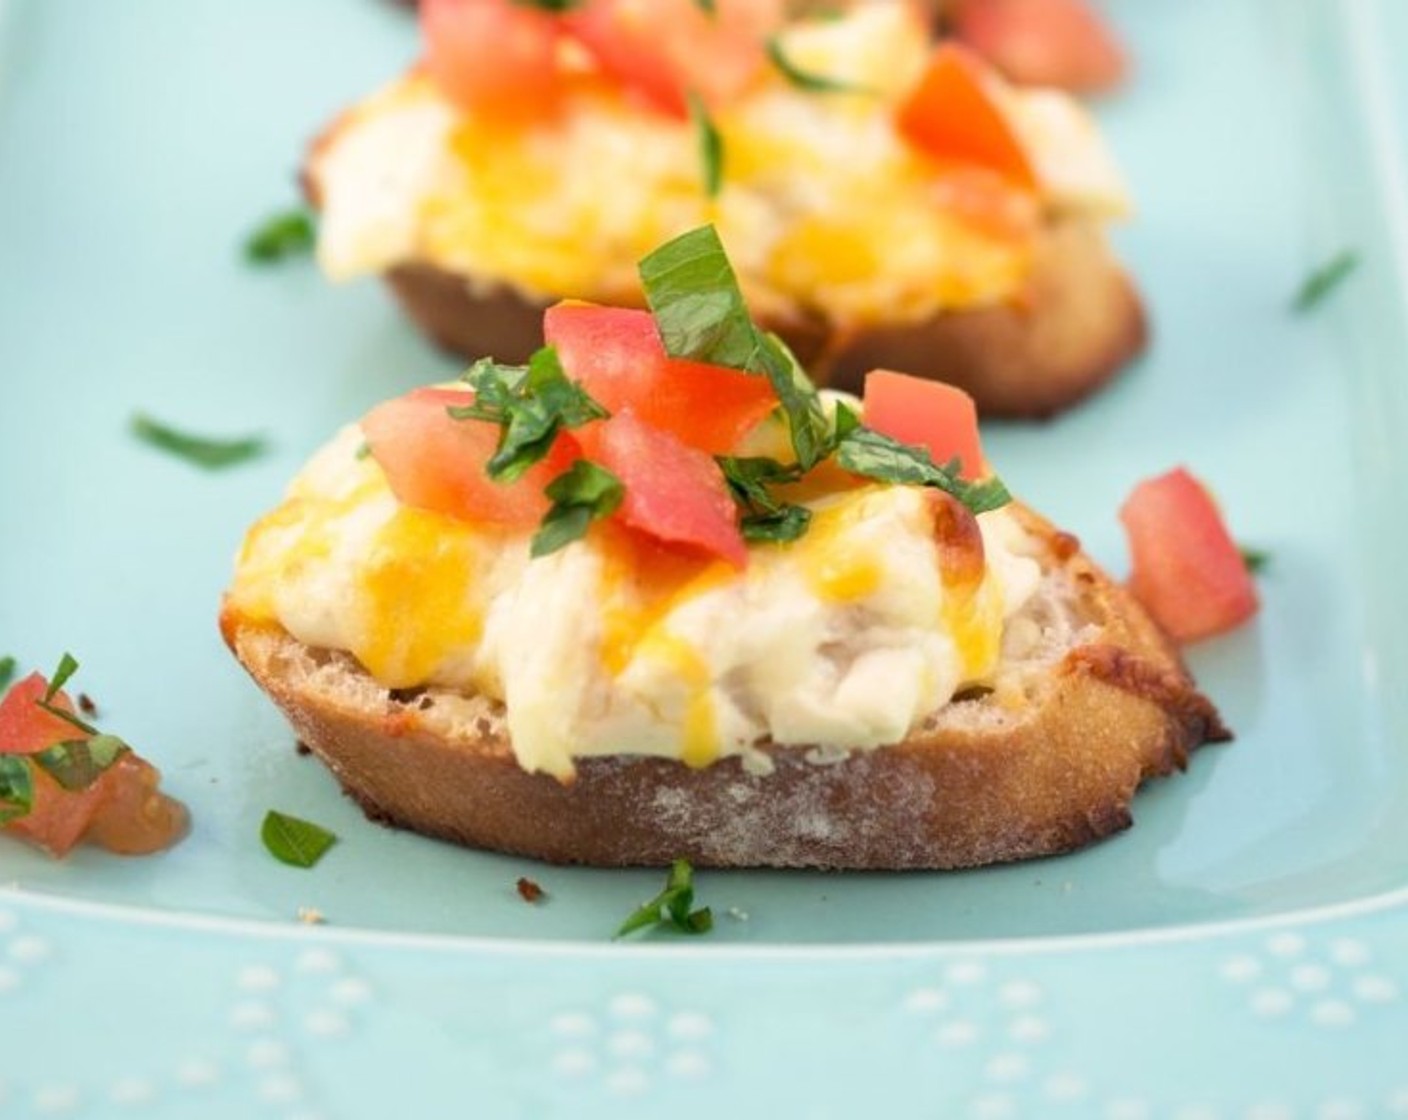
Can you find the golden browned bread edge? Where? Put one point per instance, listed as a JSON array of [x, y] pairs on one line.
[[1115, 712], [1078, 321]]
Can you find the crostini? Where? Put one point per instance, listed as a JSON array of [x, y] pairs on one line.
[[654, 596], [886, 202]]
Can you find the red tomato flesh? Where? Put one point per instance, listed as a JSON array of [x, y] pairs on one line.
[[930, 414], [1185, 567], [435, 462], [951, 116], [674, 493], [25, 727], [617, 355], [493, 56], [1060, 43], [663, 49]]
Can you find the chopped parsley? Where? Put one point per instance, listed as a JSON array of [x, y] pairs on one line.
[[290, 233], [531, 404], [293, 840], [1324, 280], [202, 451], [583, 493], [672, 907]]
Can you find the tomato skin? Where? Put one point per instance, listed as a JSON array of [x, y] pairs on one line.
[[1185, 567], [26, 728], [435, 462], [675, 493], [661, 50], [617, 355], [931, 414], [493, 56], [1061, 43], [951, 116]]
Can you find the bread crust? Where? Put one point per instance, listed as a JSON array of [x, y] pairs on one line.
[[1046, 777], [1078, 321]]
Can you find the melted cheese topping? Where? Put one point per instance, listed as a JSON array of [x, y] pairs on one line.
[[824, 206], [847, 638]]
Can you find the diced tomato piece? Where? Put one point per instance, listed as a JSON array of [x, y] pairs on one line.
[[493, 56], [133, 817], [433, 461], [930, 414], [1043, 42], [59, 817], [25, 727], [951, 115], [1185, 567], [617, 355], [674, 493], [663, 49]]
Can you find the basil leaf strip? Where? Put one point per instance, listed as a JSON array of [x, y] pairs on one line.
[[764, 517], [66, 668], [7, 673], [583, 493], [286, 234], [16, 788], [1324, 280], [202, 451], [698, 307], [711, 146], [868, 453], [531, 404], [294, 841], [78, 763], [671, 908], [804, 80]]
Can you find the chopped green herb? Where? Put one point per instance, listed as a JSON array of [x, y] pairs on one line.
[[295, 841], [1325, 279], [78, 763], [764, 517], [581, 494], [202, 451], [802, 79], [708, 7], [7, 672], [711, 146], [66, 668], [1256, 560], [287, 234], [531, 404], [16, 788], [363, 450], [549, 5], [698, 307], [671, 907], [869, 453]]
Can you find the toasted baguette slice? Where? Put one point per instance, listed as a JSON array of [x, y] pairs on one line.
[[1091, 700], [1077, 323]]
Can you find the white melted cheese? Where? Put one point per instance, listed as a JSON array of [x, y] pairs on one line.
[[824, 205], [846, 639]]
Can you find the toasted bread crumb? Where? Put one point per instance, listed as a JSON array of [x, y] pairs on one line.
[[529, 891], [310, 916]]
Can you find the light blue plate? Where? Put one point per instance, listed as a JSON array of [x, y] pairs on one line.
[[1242, 952]]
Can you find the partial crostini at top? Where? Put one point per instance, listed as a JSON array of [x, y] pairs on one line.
[[654, 596], [886, 201]]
